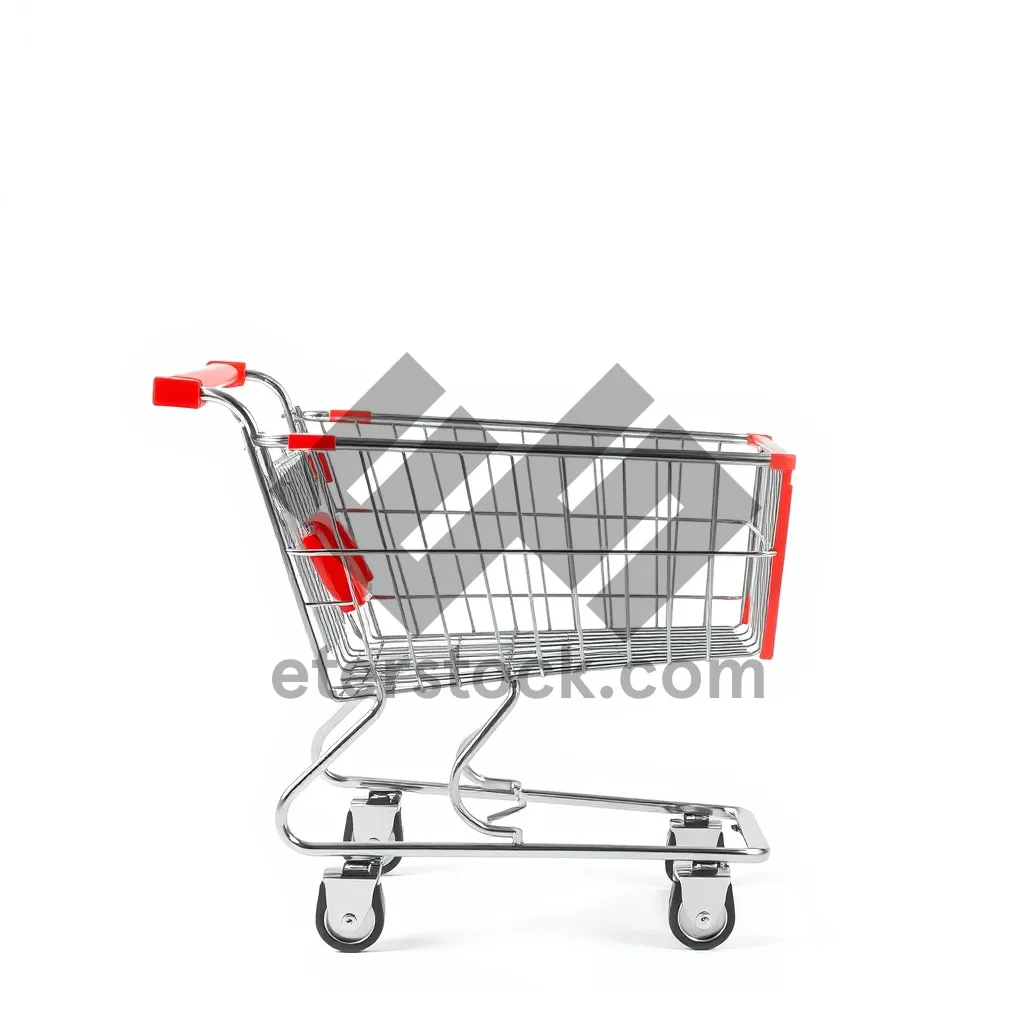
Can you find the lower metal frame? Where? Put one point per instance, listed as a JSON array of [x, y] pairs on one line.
[[350, 911]]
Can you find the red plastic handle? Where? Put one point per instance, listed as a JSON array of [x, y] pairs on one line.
[[184, 390]]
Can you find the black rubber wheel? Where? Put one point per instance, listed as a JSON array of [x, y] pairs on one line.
[[397, 835], [672, 842], [356, 945], [716, 940]]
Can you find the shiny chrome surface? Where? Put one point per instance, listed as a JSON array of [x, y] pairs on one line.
[[702, 907], [349, 891], [373, 821], [519, 621]]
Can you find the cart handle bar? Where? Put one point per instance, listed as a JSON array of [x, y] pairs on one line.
[[185, 390]]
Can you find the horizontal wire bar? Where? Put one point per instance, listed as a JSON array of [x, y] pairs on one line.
[[598, 634], [539, 426], [523, 596], [614, 552], [514, 514], [364, 443]]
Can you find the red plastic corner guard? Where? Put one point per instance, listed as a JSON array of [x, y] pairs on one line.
[[318, 442], [350, 415], [781, 459], [785, 462], [185, 390]]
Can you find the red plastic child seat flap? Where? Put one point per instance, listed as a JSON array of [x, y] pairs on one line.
[[325, 467], [330, 568]]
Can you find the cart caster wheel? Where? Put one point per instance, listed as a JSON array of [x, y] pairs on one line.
[[367, 933], [691, 930], [672, 842], [397, 836]]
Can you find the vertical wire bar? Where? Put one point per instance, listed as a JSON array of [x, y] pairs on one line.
[[483, 569], [526, 565], [572, 561], [669, 573], [625, 574], [752, 542], [448, 521], [605, 562], [400, 593], [607, 542], [709, 589], [536, 530], [430, 567], [657, 532], [501, 543], [391, 531], [675, 544], [755, 568]]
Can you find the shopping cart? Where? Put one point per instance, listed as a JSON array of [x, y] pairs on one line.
[[429, 552]]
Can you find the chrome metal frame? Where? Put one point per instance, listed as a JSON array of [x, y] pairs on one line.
[[366, 652]]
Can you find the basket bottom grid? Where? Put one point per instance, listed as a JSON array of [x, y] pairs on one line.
[[429, 665]]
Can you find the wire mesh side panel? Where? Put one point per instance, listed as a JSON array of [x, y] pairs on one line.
[[490, 563], [297, 486]]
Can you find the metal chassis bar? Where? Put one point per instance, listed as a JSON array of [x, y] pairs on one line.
[[599, 851], [756, 850]]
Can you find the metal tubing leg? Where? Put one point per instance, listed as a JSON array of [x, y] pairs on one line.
[[756, 849], [467, 750], [320, 765]]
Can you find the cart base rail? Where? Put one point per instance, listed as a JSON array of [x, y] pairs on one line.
[[350, 905], [701, 910]]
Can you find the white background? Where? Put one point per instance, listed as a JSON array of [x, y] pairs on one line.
[[798, 218]]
